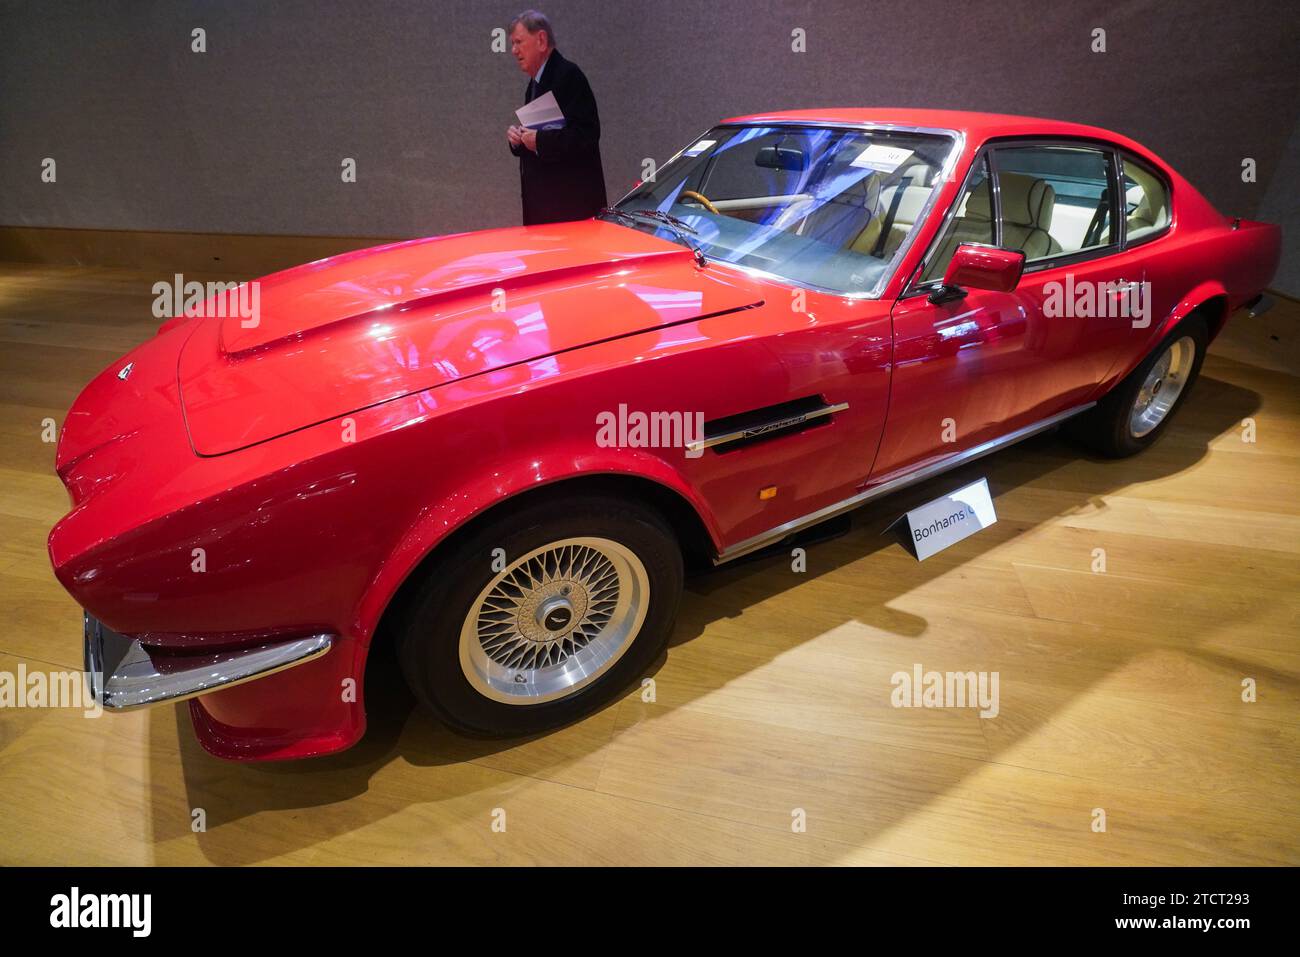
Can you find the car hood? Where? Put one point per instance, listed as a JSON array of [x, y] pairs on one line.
[[341, 334]]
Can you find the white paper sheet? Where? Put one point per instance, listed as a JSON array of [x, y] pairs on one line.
[[543, 113], [885, 159]]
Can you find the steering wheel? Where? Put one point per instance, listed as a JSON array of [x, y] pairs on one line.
[[704, 200]]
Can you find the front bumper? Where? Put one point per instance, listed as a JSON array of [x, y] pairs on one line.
[[122, 674]]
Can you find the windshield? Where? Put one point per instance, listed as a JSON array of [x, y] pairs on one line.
[[827, 208]]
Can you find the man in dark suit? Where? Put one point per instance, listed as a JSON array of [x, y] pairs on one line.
[[560, 175]]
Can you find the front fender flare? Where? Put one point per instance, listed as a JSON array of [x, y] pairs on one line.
[[443, 518]]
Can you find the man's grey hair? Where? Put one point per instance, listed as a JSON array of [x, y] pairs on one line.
[[534, 20]]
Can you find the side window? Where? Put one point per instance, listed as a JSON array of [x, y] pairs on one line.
[[1054, 200], [972, 223], [1146, 200]]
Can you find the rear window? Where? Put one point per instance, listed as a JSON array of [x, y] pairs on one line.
[[1146, 200]]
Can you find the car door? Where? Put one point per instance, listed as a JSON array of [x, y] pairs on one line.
[[1150, 270], [970, 368]]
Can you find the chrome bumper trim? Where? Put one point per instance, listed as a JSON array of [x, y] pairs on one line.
[[774, 535], [122, 676]]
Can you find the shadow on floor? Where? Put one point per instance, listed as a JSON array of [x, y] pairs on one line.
[[399, 731]]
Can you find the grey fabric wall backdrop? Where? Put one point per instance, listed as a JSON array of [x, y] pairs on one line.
[[249, 136]]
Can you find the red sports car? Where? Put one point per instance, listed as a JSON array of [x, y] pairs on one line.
[[502, 448]]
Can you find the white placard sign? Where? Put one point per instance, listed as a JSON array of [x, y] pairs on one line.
[[935, 525], [886, 159]]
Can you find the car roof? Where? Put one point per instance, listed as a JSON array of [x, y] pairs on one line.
[[976, 126]]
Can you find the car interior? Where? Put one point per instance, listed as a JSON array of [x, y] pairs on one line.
[[865, 212], [1039, 221], [871, 213], [803, 185], [1146, 201]]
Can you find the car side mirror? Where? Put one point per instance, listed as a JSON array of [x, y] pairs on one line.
[[976, 266]]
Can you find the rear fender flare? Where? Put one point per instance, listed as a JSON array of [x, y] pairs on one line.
[[1210, 296]]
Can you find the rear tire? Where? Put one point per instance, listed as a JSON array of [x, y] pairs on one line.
[[1134, 414], [579, 607]]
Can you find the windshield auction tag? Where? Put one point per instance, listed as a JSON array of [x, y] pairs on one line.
[[946, 521], [699, 148], [885, 159]]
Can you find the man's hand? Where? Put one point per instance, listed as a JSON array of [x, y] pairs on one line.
[[529, 139], [515, 135]]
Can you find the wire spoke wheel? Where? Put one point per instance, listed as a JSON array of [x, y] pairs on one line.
[[1162, 387], [554, 620]]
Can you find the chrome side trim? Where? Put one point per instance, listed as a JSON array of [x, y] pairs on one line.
[[122, 676], [773, 535], [765, 427]]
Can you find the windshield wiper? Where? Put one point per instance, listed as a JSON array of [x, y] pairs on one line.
[[665, 217], [678, 226], [620, 214]]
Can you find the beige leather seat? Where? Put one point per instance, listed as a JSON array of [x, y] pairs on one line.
[[1149, 217], [817, 217], [1027, 206], [900, 205], [974, 224], [896, 210]]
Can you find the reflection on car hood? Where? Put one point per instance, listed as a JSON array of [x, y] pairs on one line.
[[348, 332]]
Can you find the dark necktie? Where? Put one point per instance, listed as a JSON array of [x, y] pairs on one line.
[[532, 91]]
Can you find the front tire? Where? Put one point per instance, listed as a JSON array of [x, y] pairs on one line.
[[1136, 412], [581, 604]]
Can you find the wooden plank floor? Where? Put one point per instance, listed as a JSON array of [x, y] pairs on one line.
[[1119, 691]]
